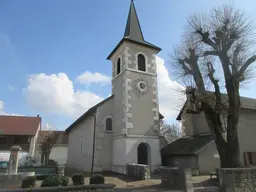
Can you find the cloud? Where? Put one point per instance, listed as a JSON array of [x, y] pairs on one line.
[[170, 96], [11, 88], [88, 78], [55, 94], [3, 112], [1, 106]]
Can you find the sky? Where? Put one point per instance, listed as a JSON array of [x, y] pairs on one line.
[[53, 52]]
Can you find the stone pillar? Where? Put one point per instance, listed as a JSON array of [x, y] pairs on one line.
[[188, 180], [13, 160]]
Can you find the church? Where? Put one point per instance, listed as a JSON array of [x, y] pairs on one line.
[[124, 128]]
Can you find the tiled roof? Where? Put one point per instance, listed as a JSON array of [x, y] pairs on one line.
[[19, 125], [188, 145], [61, 137]]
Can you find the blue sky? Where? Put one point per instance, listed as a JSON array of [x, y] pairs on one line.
[[47, 46]]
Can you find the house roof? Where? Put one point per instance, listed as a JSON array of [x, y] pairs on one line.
[[19, 125], [61, 137], [133, 32], [91, 111], [246, 103], [188, 145]]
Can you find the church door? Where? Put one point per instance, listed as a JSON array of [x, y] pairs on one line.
[[143, 154]]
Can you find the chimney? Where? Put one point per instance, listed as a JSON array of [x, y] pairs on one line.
[[38, 115]]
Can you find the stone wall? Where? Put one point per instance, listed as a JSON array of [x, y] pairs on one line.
[[238, 179], [13, 181], [176, 178], [138, 172], [82, 188]]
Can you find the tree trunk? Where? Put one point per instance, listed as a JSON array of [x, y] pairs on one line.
[[47, 155], [42, 158]]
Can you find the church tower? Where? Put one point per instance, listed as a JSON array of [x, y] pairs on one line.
[[135, 104]]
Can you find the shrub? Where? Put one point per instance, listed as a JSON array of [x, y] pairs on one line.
[[29, 182], [51, 181], [64, 181], [97, 179], [78, 179], [52, 162]]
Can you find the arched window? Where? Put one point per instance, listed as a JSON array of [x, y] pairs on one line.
[[118, 67], [141, 62], [108, 124]]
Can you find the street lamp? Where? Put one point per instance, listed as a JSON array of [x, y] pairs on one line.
[[93, 142]]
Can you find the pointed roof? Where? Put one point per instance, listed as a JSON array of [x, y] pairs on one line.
[[133, 29], [133, 32]]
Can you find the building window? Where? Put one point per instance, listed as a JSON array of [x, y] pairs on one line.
[[249, 158], [118, 67], [81, 146], [141, 62], [108, 124]]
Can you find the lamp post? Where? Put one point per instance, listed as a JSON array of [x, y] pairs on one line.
[[93, 142]]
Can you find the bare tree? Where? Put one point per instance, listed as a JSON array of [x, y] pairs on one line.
[[49, 139], [171, 132], [222, 43]]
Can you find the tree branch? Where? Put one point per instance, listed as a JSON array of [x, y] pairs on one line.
[[208, 53], [247, 63], [214, 81]]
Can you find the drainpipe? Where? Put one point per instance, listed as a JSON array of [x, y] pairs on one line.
[[93, 142]]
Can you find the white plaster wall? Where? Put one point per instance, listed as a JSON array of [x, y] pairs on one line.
[[119, 155], [103, 145], [206, 160], [247, 132], [84, 131], [125, 151], [132, 144], [59, 154], [33, 141]]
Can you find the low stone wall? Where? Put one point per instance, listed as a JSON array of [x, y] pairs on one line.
[[176, 178], [13, 181], [81, 188], [207, 189], [238, 179], [70, 171], [138, 172]]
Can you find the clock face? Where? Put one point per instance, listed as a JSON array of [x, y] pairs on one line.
[[141, 86]]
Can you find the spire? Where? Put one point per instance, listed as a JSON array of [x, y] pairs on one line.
[[133, 30]]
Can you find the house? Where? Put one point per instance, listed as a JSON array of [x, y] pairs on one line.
[[59, 149], [197, 149], [124, 128], [19, 130]]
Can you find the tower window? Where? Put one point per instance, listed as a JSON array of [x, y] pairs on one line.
[[118, 65], [108, 124], [141, 62]]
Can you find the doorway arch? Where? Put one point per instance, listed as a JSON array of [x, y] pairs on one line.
[[143, 154]]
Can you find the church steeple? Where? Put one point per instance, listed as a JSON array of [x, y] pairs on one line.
[[133, 32]]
